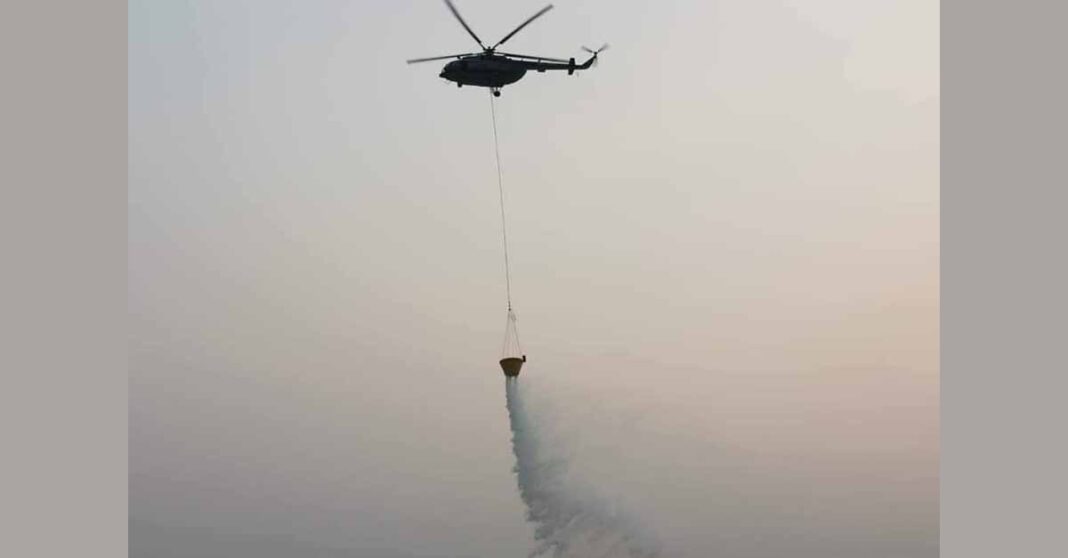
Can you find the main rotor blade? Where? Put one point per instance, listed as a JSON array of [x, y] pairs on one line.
[[452, 9], [522, 25], [528, 57], [414, 60]]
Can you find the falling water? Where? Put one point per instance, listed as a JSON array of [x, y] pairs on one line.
[[567, 522]]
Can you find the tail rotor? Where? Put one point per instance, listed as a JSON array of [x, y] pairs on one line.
[[594, 52], [603, 48]]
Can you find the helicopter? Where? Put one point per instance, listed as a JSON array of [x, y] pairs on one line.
[[494, 69]]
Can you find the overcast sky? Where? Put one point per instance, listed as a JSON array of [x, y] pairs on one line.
[[724, 243]]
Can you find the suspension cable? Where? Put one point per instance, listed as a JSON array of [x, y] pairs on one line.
[[500, 189]]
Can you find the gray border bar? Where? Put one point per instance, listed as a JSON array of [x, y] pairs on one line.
[[63, 175]]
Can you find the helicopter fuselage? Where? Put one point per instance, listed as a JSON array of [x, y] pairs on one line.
[[495, 69], [484, 71]]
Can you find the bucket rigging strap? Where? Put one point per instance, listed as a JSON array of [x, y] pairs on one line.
[[511, 346]]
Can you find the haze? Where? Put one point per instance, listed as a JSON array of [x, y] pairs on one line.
[[724, 244]]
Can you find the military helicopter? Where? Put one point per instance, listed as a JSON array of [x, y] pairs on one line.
[[494, 69]]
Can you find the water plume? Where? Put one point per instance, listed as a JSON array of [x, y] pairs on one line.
[[568, 521]]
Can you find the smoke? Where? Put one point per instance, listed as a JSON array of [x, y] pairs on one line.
[[568, 520]]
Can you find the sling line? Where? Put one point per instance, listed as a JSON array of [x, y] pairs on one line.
[[500, 189]]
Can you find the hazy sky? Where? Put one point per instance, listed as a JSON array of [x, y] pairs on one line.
[[724, 244]]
